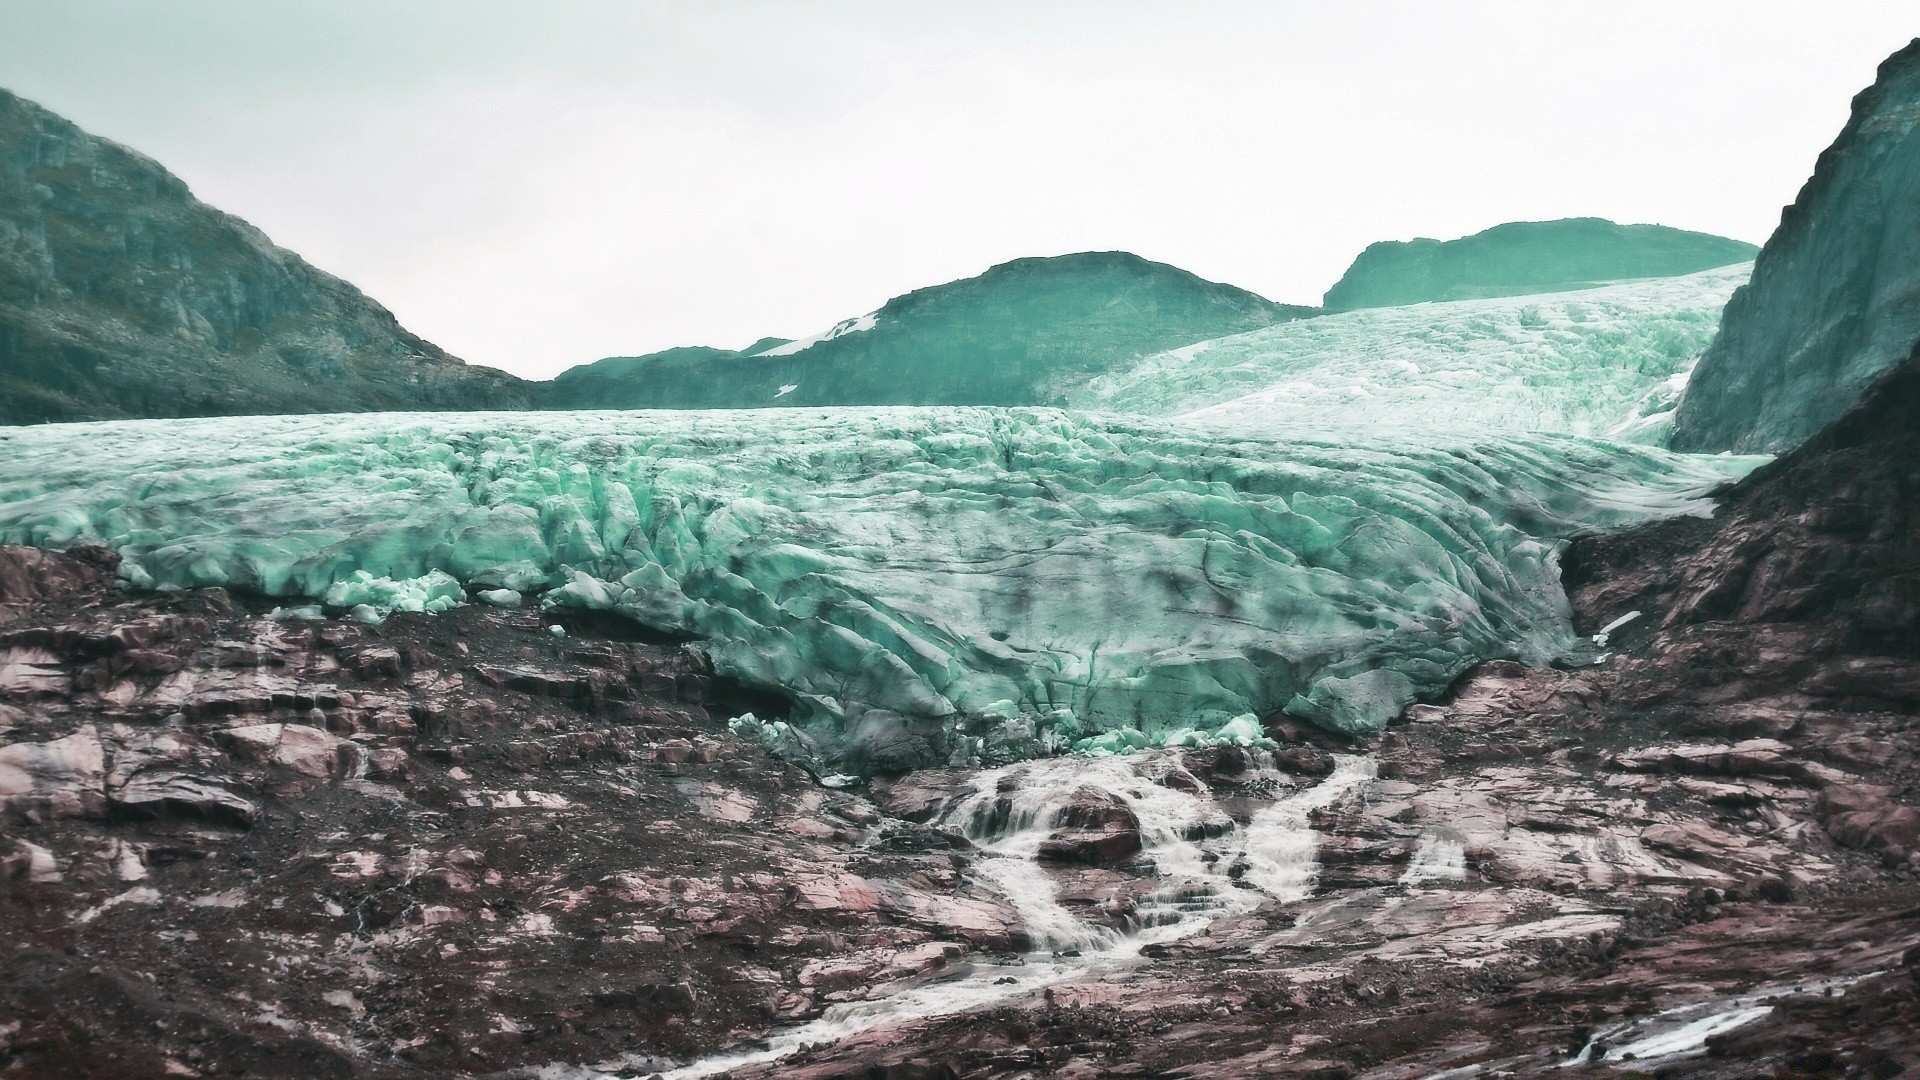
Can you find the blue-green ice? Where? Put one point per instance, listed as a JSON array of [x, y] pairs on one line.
[[927, 585]]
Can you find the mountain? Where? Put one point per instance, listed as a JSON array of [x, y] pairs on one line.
[[1523, 257], [604, 383], [1835, 296], [1603, 361], [122, 295], [1023, 333]]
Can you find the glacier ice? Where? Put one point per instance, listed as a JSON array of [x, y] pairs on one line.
[[1609, 361], [925, 584], [433, 592]]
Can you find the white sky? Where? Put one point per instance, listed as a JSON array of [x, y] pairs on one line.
[[536, 185]]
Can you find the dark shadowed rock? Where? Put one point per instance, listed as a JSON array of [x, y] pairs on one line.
[[1096, 829], [28, 575]]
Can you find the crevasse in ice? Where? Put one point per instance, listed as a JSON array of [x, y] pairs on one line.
[[927, 585], [1606, 361]]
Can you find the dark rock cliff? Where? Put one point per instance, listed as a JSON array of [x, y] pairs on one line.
[[1022, 333], [121, 295], [1524, 257], [1835, 296]]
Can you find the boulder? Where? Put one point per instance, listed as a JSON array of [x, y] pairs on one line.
[[165, 792], [60, 778], [29, 575], [1865, 816], [1096, 828], [306, 750], [31, 863]]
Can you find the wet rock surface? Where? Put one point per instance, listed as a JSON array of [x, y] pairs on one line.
[[1694, 858], [449, 844]]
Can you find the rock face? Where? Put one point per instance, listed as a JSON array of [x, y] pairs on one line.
[[1524, 257], [121, 295], [1023, 333], [1835, 296], [447, 845], [1829, 533]]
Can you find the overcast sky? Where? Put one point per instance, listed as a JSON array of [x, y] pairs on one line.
[[535, 185]]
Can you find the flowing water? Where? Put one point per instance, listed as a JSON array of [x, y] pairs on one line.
[[1683, 1031], [1203, 873]]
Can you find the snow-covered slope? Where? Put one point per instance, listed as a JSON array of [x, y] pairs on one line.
[[1601, 361], [928, 583]]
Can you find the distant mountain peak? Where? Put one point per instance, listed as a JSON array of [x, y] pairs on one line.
[[1022, 332], [1521, 257]]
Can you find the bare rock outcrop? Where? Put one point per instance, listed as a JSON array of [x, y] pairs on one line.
[[1835, 296], [122, 295]]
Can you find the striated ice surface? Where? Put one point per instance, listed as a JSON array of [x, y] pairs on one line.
[[927, 585], [1608, 361]]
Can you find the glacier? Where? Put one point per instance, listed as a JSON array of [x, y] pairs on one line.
[[1610, 360], [926, 586]]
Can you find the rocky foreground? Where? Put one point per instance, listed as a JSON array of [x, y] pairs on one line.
[[467, 844]]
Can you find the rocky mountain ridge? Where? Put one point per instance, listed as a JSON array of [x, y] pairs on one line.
[[1525, 257], [1022, 333], [121, 295], [1835, 295]]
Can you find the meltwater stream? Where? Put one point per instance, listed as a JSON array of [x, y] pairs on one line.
[[1011, 810]]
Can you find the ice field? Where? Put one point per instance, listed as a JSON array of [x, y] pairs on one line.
[[1604, 361], [929, 585]]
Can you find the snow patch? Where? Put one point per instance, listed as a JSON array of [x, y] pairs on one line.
[[838, 330]]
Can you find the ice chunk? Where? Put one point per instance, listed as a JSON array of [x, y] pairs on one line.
[[1242, 730], [1606, 632], [1119, 741], [296, 613], [432, 592]]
